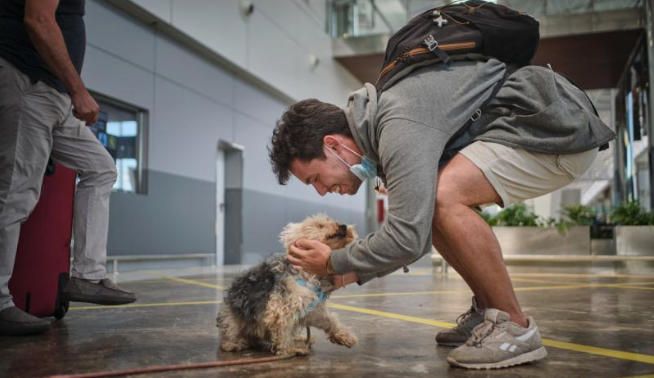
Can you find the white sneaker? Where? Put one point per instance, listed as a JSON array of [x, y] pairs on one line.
[[499, 343]]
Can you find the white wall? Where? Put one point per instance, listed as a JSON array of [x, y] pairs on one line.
[[274, 43], [192, 103]]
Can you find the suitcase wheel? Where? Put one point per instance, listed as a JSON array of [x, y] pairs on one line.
[[61, 303], [61, 310]]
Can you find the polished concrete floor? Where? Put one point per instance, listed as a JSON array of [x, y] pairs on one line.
[[594, 326]]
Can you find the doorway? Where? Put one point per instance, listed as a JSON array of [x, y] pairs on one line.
[[229, 203]]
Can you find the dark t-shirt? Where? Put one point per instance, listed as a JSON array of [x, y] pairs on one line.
[[17, 48]]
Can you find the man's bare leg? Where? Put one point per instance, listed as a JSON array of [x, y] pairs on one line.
[[467, 240], [453, 260]]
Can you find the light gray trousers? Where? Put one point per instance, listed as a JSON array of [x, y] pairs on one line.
[[36, 122]]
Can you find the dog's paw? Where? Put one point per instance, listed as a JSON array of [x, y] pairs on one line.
[[232, 346], [343, 337], [302, 351], [296, 351]]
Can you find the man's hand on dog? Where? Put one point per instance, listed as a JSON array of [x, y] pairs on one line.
[[310, 255]]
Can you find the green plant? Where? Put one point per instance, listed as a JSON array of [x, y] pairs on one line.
[[516, 215], [520, 215], [490, 219], [631, 214], [561, 225], [578, 215]]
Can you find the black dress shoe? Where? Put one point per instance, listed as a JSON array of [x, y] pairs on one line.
[[16, 322], [104, 292]]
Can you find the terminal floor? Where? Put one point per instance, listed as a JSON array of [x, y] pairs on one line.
[[593, 326]]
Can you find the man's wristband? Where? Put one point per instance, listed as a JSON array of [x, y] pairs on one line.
[[329, 267]]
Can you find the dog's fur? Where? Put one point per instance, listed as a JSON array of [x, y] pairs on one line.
[[266, 307]]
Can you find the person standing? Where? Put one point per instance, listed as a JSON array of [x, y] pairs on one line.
[[44, 110]]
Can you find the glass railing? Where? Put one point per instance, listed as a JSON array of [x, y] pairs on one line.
[[360, 18]]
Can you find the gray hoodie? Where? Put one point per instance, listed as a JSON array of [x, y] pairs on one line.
[[406, 129]]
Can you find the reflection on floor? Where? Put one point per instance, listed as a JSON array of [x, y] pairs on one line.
[[594, 326]]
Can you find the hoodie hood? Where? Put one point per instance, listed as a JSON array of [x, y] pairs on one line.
[[361, 115]]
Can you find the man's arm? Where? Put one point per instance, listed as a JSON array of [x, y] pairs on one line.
[[48, 40], [409, 153]]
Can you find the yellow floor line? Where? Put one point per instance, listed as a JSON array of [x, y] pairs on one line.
[[539, 281], [432, 292], [466, 290], [348, 296], [142, 305], [634, 287], [631, 283], [645, 358], [583, 275], [405, 293], [649, 359], [579, 286], [625, 285], [516, 276], [196, 283], [638, 357], [384, 314]]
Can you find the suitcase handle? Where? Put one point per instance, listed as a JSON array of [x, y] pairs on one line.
[[50, 168]]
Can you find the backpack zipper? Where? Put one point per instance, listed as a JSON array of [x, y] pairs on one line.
[[424, 50]]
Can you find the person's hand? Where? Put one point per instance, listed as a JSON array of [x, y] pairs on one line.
[[84, 106], [309, 255]]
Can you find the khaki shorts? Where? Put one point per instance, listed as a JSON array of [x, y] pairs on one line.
[[517, 174]]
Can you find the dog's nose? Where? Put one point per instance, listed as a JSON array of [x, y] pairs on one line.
[[342, 229]]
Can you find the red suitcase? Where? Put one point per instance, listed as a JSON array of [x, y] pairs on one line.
[[43, 258]]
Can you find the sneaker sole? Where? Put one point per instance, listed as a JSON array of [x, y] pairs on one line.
[[524, 358], [450, 344]]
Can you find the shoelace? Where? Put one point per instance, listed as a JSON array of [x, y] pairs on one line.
[[480, 332], [465, 316]]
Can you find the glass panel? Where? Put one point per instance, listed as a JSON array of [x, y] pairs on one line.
[[119, 129], [359, 18]]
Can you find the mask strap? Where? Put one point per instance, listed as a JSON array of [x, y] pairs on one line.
[[347, 148], [340, 158]]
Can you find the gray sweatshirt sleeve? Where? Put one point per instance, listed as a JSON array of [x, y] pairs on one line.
[[409, 153]]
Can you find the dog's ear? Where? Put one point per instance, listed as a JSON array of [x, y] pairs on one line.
[[289, 234]]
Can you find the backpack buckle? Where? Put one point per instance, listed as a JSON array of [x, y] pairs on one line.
[[432, 46], [431, 42], [476, 115]]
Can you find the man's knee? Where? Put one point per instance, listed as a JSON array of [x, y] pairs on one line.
[[107, 173], [461, 182], [103, 172]]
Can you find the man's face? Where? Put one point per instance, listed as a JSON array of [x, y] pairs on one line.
[[327, 175]]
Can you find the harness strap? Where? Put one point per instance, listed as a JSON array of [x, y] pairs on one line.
[[448, 151], [321, 296]]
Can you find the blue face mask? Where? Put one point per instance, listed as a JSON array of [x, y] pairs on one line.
[[364, 170]]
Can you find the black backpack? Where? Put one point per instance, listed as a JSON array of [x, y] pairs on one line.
[[473, 29]]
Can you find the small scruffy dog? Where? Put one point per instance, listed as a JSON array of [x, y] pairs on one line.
[[268, 305]]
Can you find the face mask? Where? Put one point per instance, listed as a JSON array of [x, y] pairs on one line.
[[364, 170]]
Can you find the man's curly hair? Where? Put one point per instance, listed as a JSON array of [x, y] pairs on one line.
[[299, 134]]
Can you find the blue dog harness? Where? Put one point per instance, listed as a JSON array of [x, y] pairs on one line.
[[321, 296]]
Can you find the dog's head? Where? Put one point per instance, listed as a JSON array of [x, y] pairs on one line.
[[319, 227]]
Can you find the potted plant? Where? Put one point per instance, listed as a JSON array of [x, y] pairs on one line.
[[520, 231], [634, 230]]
